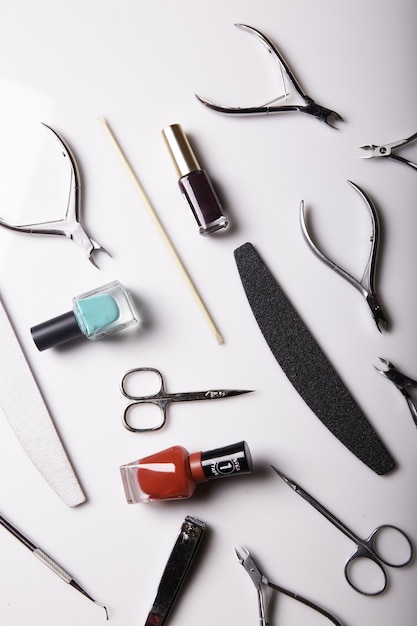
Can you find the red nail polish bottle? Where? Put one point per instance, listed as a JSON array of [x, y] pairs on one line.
[[173, 473]]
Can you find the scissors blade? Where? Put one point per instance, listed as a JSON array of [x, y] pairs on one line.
[[25, 409], [211, 394]]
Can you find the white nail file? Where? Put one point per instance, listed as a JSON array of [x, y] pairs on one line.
[[24, 407]]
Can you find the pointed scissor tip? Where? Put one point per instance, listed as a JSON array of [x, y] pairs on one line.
[[283, 476]]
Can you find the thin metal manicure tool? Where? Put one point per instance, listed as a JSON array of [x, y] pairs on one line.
[[265, 586], [402, 382], [47, 560], [161, 398], [387, 151], [366, 285], [70, 225], [386, 545], [309, 107]]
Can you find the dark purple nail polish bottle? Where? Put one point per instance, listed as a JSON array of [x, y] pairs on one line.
[[194, 183]]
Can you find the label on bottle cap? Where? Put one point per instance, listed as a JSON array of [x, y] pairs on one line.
[[223, 462]]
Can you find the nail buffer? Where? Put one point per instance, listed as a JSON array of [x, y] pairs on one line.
[[24, 407], [306, 365]]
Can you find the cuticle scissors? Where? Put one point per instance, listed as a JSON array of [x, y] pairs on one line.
[[368, 549], [70, 225], [309, 107], [264, 586], [162, 398], [366, 285], [402, 382], [387, 151]]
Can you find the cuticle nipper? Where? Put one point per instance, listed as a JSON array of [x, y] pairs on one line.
[[402, 382], [309, 107], [264, 587], [70, 225], [387, 151], [366, 285]]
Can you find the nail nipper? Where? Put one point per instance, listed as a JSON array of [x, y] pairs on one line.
[[366, 285], [70, 225], [387, 151], [402, 382], [310, 107], [264, 588]]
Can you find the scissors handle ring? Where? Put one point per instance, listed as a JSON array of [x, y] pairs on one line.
[[157, 399], [368, 549], [129, 373], [133, 429], [372, 543], [363, 553]]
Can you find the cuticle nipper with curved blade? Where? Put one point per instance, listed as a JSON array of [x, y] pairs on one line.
[[264, 587], [70, 225], [309, 106], [387, 151], [366, 285], [402, 382]]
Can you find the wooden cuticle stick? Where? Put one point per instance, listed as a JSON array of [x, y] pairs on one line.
[[161, 229]]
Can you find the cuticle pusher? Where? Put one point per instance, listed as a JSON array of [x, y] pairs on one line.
[[47, 560]]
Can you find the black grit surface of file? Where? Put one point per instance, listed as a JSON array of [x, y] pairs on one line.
[[306, 365]]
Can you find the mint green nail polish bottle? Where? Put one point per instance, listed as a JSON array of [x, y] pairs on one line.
[[95, 314]]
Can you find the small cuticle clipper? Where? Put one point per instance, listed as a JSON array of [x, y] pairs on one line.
[[387, 151], [402, 382], [264, 587]]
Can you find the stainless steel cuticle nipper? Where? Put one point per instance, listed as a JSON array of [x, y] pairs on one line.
[[387, 151], [265, 586], [310, 107], [402, 382], [70, 225], [366, 285]]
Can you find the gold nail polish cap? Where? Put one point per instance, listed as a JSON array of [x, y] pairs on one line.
[[180, 150]]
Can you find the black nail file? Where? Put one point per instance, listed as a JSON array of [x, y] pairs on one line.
[[306, 365]]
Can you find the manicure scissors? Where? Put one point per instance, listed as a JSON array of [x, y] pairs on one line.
[[70, 225], [372, 549], [161, 398], [366, 285], [387, 151], [309, 107], [265, 586], [402, 382]]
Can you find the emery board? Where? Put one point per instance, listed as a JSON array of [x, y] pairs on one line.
[[306, 365]]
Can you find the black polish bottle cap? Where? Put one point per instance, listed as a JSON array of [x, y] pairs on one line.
[[56, 331], [227, 461]]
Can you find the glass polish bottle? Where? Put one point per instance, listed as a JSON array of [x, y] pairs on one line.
[[194, 182], [173, 474], [97, 313]]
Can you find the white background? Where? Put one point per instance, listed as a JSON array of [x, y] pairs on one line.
[[140, 64]]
